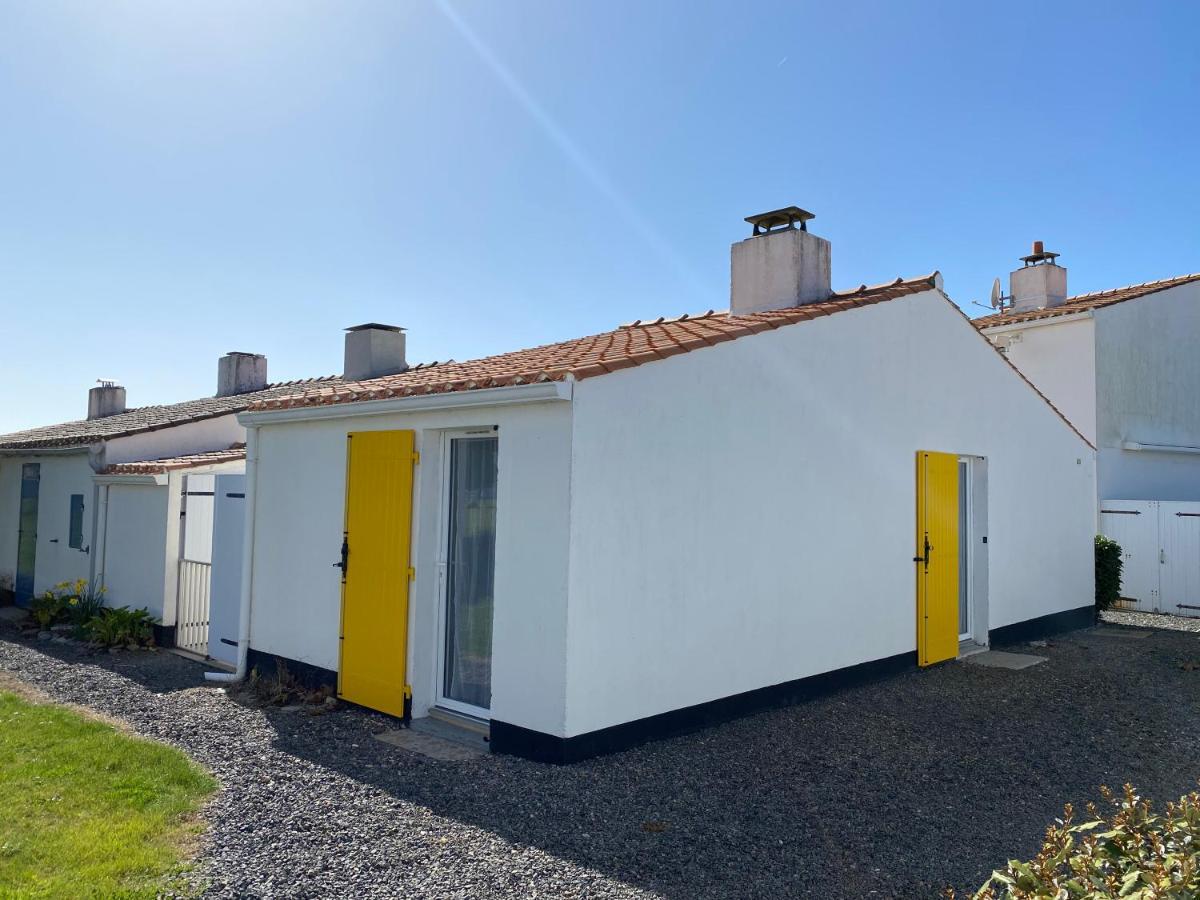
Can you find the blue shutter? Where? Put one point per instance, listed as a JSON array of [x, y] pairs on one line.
[[75, 538]]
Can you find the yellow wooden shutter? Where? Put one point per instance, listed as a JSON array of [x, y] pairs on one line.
[[378, 533]]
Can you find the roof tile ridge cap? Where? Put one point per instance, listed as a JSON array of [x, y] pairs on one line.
[[1175, 279], [272, 385], [663, 320], [898, 281]]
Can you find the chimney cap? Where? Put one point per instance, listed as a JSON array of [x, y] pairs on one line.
[[374, 326], [1039, 255], [780, 218]]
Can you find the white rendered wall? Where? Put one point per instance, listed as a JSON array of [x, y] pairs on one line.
[[1148, 384], [132, 568], [743, 515], [1060, 359], [179, 440], [300, 502], [61, 476]]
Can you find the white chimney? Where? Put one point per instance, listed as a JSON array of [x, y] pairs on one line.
[[241, 373], [372, 351], [1040, 282], [106, 400], [780, 265]]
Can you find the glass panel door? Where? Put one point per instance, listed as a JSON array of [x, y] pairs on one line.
[[470, 572]]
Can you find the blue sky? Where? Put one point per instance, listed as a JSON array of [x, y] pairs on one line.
[[180, 179]]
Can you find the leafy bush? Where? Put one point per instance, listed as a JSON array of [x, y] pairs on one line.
[[1132, 852], [48, 609], [122, 626], [1108, 572]]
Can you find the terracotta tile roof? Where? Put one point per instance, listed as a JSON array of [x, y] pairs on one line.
[[1084, 302], [156, 466], [630, 345], [148, 418]]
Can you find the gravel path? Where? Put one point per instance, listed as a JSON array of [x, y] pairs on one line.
[[890, 790]]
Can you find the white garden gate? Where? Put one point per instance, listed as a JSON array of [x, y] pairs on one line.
[[195, 563], [1160, 543]]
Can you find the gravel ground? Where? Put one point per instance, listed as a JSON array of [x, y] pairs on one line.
[[891, 790], [1151, 620]]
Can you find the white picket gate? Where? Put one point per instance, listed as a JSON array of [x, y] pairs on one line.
[[195, 590], [1160, 544], [195, 564]]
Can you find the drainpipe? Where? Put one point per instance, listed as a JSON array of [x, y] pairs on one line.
[[247, 562]]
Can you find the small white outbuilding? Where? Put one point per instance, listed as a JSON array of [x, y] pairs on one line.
[[640, 532], [127, 500]]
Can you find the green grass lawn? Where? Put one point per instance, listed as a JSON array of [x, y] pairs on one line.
[[88, 811]]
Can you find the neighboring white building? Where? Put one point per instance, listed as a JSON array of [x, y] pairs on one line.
[[100, 499], [645, 531], [1122, 365]]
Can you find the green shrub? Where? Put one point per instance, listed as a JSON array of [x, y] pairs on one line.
[[121, 626], [1108, 572], [1132, 852]]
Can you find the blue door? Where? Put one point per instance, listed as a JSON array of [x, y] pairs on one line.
[[31, 474]]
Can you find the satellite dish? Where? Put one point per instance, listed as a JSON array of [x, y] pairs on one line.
[[997, 298]]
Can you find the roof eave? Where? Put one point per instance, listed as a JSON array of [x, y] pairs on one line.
[[539, 392], [1052, 319], [46, 450], [156, 478]]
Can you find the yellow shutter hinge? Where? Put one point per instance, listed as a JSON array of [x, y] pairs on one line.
[[412, 573], [416, 457]]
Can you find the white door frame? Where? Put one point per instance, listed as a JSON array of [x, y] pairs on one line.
[[439, 675], [966, 542]]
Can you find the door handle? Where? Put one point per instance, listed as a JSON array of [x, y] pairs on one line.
[[925, 558], [344, 563]]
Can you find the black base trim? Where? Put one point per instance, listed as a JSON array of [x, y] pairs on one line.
[[541, 747], [1044, 626], [164, 636], [307, 675]]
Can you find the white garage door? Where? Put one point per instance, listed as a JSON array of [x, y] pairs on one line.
[[1160, 543], [1179, 530]]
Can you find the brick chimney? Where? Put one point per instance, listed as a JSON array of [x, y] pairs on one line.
[[372, 351], [780, 265], [1040, 282], [241, 373], [106, 399]]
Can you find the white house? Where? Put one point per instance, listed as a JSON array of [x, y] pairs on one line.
[[104, 498], [1122, 365], [640, 532]]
